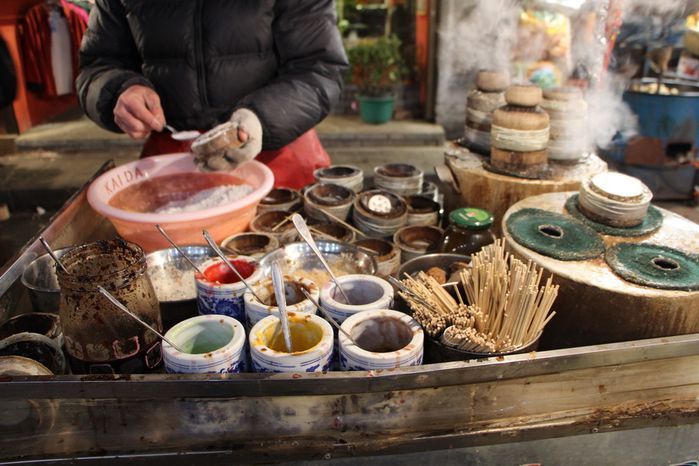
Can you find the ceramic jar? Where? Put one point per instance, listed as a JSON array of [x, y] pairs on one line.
[[386, 339], [366, 292], [213, 344], [312, 349], [255, 311], [224, 298]]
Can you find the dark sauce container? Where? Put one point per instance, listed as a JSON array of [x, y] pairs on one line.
[[100, 338]]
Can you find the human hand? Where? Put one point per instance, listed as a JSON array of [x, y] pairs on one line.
[[138, 111], [228, 145]]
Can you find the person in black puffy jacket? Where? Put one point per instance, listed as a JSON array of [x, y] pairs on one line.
[[273, 68]]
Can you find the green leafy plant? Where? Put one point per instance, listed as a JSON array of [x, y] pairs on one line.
[[376, 65]]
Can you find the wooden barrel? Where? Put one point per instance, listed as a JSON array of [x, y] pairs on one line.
[[496, 192], [595, 305]]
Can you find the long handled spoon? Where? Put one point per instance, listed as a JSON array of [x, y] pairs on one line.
[[167, 237], [302, 228], [225, 260], [408, 291], [327, 315], [123, 308], [110, 297], [182, 135], [53, 255], [278, 284]]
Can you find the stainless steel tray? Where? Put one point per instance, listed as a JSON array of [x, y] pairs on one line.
[[622, 388]]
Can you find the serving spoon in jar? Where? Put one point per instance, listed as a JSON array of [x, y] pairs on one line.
[[280, 295], [225, 260], [110, 297], [305, 233]]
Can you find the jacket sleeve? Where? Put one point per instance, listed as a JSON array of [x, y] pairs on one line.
[[109, 63], [311, 62]]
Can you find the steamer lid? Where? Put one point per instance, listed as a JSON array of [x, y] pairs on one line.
[[618, 186]]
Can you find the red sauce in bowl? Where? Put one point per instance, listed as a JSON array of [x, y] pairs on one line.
[[221, 273]]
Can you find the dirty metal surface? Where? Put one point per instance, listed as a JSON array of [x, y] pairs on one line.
[[266, 418]]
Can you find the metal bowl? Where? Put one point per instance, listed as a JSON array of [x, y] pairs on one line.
[[173, 280], [343, 258], [42, 283], [422, 263]]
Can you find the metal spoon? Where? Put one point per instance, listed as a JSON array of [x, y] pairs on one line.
[[167, 237], [328, 316], [109, 296], [182, 135], [302, 228], [123, 308], [395, 282], [278, 284], [53, 255], [225, 260]]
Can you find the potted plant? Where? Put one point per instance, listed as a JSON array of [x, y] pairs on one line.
[[376, 66]]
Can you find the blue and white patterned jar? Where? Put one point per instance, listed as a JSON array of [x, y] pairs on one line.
[[387, 339], [224, 298], [255, 311], [213, 344], [312, 335], [366, 293]]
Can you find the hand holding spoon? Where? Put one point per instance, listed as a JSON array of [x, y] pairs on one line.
[[302, 228]]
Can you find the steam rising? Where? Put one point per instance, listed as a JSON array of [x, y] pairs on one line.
[[483, 33]]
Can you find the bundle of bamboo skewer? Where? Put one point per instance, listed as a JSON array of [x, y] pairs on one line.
[[506, 309]]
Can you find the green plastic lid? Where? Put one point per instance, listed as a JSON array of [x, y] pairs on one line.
[[471, 218]]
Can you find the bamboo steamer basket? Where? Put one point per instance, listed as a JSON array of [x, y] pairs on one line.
[[495, 192], [596, 306], [488, 95], [519, 132], [567, 110]]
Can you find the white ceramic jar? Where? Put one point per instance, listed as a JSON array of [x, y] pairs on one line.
[[366, 292], [312, 350], [224, 298], [213, 344], [255, 311], [387, 339]]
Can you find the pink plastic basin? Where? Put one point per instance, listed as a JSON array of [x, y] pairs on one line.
[[185, 227]]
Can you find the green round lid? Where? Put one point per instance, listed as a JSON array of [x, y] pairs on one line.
[[471, 218]]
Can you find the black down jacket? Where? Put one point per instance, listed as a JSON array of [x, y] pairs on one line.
[[281, 59]]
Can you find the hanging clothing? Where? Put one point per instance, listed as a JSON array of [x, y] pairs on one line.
[[8, 76], [293, 165], [41, 45]]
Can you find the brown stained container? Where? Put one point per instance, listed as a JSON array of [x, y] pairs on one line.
[[100, 338], [399, 178], [277, 224], [35, 346], [422, 211], [386, 253], [381, 223], [348, 176], [417, 240], [250, 244], [332, 231], [47, 324], [280, 199], [334, 199]]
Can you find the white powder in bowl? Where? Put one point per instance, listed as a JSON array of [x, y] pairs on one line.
[[206, 199]]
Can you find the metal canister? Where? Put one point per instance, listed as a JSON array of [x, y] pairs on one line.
[[100, 338]]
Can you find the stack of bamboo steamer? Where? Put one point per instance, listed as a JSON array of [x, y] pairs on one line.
[[520, 132], [567, 112], [488, 96]]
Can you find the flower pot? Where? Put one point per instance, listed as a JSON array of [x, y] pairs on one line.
[[376, 110]]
